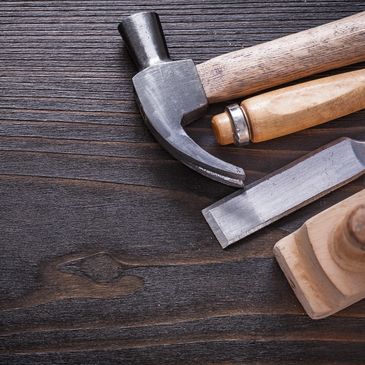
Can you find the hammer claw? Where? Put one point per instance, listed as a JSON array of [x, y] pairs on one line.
[[183, 148]]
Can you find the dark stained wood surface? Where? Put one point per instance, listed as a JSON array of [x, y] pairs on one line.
[[105, 256]]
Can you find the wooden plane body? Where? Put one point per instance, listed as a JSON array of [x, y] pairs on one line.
[[324, 260]]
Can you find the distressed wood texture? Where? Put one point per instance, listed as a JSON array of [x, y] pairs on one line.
[[105, 256], [284, 59]]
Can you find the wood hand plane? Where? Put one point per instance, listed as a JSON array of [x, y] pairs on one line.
[[324, 260]]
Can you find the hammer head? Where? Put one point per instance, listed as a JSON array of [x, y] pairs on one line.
[[169, 95]]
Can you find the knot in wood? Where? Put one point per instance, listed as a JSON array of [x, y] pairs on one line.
[[100, 267]]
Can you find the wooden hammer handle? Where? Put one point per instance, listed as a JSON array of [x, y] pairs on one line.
[[256, 68], [294, 108]]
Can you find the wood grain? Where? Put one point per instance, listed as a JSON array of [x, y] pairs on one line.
[[293, 108], [105, 256], [322, 260], [304, 105], [263, 66]]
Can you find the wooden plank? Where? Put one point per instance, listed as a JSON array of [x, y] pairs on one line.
[[105, 256]]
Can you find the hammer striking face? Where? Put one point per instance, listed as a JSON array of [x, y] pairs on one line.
[[173, 93]]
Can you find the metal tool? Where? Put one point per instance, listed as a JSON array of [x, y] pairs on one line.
[[286, 190], [172, 93]]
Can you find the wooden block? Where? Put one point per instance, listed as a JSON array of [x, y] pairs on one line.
[[324, 260]]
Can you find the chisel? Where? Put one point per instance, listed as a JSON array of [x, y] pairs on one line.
[[286, 190]]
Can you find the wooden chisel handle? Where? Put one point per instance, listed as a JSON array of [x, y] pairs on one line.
[[260, 67], [294, 108]]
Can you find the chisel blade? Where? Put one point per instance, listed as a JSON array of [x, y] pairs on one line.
[[286, 190]]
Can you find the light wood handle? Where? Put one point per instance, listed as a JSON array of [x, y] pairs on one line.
[[348, 245], [256, 68], [294, 108], [305, 105]]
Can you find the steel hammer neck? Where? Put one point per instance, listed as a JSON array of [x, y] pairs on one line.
[[143, 35]]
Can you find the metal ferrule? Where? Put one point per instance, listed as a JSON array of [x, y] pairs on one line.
[[240, 125]]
